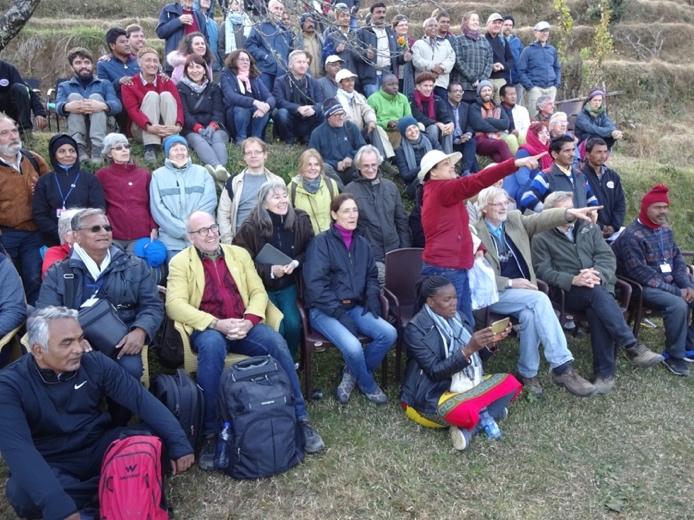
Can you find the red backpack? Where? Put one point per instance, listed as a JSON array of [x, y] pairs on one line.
[[131, 484]]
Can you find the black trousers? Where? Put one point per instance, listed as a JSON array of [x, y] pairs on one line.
[[607, 326]]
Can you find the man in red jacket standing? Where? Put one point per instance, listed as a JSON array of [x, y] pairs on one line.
[[448, 241], [153, 104]]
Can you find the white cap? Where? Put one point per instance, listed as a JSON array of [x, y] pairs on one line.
[[494, 17], [541, 26], [333, 58]]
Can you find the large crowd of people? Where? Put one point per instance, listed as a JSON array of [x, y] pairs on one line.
[[380, 115]]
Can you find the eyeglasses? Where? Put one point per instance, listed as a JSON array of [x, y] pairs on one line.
[[96, 229], [501, 204], [205, 230], [120, 147], [253, 152]]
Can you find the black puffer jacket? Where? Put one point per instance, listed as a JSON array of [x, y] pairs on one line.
[[127, 284], [332, 273], [382, 216], [429, 371]]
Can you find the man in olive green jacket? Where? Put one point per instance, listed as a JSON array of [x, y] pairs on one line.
[[576, 259]]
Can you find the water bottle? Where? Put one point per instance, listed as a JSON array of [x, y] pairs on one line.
[[489, 426], [221, 456]]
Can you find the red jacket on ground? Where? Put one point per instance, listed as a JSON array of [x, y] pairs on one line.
[[132, 96], [448, 242]]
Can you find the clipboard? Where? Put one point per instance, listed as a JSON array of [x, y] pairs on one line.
[[270, 255]]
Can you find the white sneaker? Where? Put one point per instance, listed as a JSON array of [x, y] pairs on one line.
[[458, 438]]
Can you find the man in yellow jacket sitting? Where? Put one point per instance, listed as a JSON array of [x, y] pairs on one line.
[[215, 292]]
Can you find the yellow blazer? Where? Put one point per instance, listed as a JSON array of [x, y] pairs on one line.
[[186, 284]]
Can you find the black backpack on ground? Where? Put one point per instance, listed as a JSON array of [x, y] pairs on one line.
[[255, 396], [185, 399]]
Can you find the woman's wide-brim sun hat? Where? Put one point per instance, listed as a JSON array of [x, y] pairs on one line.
[[433, 158]]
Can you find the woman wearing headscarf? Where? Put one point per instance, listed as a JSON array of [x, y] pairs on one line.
[[445, 385], [536, 142], [413, 146], [67, 186]]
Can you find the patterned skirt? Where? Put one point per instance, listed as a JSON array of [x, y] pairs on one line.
[[463, 409]]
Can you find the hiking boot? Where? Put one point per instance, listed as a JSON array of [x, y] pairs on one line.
[[206, 458], [344, 389], [642, 357], [459, 437], [603, 385], [389, 169], [313, 442], [532, 385], [96, 159], [573, 382], [677, 366], [377, 397]]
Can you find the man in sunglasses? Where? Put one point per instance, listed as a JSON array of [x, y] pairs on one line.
[[97, 269], [215, 292]]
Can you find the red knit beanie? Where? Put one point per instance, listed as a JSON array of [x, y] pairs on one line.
[[657, 194]]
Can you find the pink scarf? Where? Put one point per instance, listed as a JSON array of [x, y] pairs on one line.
[[243, 76], [421, 100]]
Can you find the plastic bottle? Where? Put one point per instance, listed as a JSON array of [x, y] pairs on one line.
[[489, 426], [221, 456]]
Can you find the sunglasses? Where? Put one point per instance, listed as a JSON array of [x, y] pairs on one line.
[[120, 147], [96, 229]]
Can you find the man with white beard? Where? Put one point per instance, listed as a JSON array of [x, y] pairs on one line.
[[19, 172]]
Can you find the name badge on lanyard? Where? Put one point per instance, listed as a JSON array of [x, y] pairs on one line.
[[665, 268]]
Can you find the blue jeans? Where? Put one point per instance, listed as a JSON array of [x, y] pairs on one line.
[[370, 88], [23, 247], [360, 361], [292, 127], [212, 347], [285, 300], [459, 279], [242, 118], [538, 324], [679, 333]]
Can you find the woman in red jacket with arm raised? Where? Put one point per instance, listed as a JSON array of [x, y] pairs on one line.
[[448, 242]]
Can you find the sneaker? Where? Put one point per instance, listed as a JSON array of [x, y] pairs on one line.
[[206, 458], [459, 437], [573, 382], [344, 389], [689, 356], [603, 385], [96, 159], [313, 442], [377, 397], [642, 357], [150, 157], [221, 173], [532, 385], [677, 366]]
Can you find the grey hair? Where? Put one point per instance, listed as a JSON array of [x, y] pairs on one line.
[[112, 140], [76, 221], [542, 100], [65, 222], [260, 216], [487, 196], [367, 148], [556, 117], [557, 197], [37, 325], [428, 21], [5, 117], [294, 54]]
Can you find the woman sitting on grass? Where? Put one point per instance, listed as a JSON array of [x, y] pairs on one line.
[[442, 352]]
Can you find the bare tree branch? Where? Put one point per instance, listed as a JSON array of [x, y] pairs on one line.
[[12, 20]]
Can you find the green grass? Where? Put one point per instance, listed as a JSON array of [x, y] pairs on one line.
[[624, 455]]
